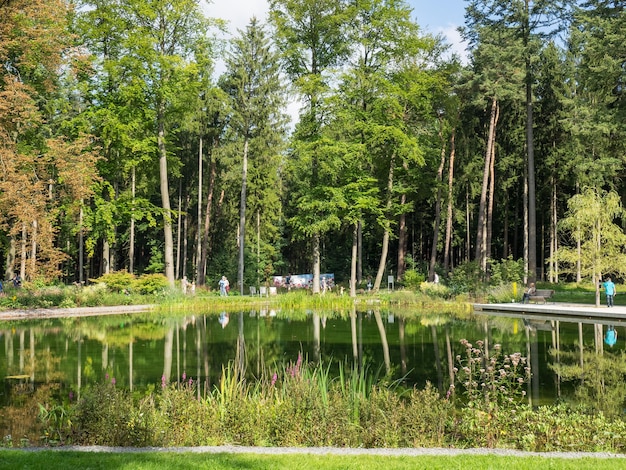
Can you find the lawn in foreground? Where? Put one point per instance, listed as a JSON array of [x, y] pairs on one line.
[[20, 459]]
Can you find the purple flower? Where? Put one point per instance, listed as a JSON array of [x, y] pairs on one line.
[[113, 381], [184, 376], [274, 378], [163, 384]]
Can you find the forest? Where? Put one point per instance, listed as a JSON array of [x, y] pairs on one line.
[[122, 148]]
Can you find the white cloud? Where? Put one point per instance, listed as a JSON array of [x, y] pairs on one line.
[[453, 37], [237, 13]]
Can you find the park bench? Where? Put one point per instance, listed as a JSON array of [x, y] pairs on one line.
[[541, 296]]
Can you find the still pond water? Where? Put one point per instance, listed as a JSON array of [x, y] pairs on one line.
[[140, 350]]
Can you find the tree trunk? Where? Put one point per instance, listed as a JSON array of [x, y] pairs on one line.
[[186, 233], [207, 225], [258, 246], [353, 264], [492, 179], [199, 232], [468, 243], [402, 240], [554, 264], [433, 248], [9, 270], [530, 148], [179, 227], [242, 216], [165, 197], [387, 228], [316, 264], [33, 252], [131, 242], [81, 246], [448, 239], [106, 256], [481, 232], [359, 266]]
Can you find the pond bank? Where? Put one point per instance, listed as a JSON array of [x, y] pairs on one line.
[[40, 313]]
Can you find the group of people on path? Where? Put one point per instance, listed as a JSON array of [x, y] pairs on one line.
[[186, 286], [608, 285], [16, 280]]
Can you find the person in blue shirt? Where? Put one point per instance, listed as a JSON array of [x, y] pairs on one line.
[[611, 336], [609, 290]]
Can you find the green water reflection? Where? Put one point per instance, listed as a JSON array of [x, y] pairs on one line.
[[138, 351]]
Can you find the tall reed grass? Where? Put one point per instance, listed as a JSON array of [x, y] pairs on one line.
[[300, 404]]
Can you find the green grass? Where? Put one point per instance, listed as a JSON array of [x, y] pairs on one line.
[[17, 459]]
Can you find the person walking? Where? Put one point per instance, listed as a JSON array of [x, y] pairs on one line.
[[528, 292], [609, 290], [224, 286]]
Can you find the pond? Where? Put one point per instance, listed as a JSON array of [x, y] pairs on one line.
[[139, 351]]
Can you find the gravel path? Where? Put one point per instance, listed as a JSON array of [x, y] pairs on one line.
[[40, 313]]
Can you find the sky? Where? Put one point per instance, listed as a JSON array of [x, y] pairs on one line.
[[433, 16]]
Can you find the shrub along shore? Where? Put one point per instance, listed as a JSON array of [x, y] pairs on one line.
[[300, 405]]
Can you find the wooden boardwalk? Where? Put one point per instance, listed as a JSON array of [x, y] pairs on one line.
[[578, 313]]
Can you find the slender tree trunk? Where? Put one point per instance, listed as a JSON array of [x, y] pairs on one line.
[[199, 219], [33, 251], [468, 243], [23, 251], [186, 233], [387, 228], [554, 266], [258, 246], [433, 248], [242, 216], [402, 240], [316, 264], [353, 264], [9, 270], [207, 224], [448, 239], [81, 246], [490, 199], [179, 227], [481, 233], [165, 197], [131, 242], [359, 268], [530, 148], [106, 256], [579, 275], [525, 197]]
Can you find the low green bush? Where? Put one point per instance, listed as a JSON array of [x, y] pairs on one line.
[[151, 284], [118, 281]]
